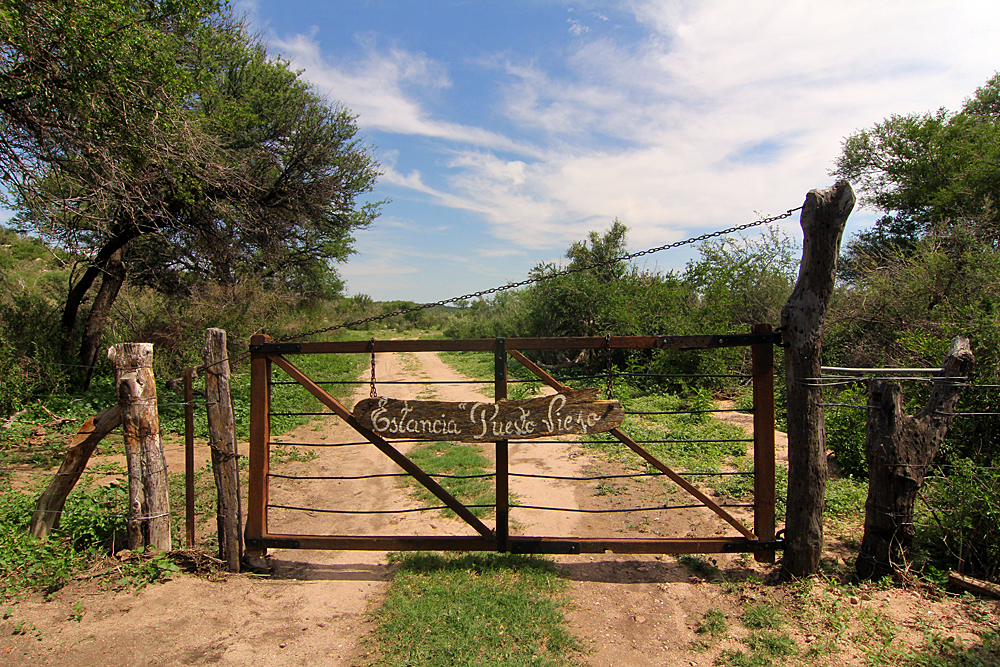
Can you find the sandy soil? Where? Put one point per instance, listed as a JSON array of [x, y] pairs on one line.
[[313, 608]]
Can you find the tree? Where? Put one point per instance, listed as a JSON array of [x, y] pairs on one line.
[[225, 165], [925, 172], [83, 85]]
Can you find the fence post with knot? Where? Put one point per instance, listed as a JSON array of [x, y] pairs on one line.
[[149, 504]]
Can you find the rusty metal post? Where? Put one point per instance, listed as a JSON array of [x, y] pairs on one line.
[[502, 479], [260, 434], [763, 442], [189, 455]]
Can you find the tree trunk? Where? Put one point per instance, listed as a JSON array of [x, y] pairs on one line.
[[824, 215], [222, 440], [111, 282], [149, 504], [76, 293], [900, 449], [48, 509]]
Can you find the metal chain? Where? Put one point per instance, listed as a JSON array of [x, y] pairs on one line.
[[611, 388], [543, 277], [373, 393]]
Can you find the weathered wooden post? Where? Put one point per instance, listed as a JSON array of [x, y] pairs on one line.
[[900, 448], [824, 215], [149, 504], [222, 440], [49, 507]]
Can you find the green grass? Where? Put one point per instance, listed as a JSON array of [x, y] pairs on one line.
[[92, 516], [845, 497], [480, 366], [940, 651], [448, 458], [686, 454], [762, 616], [713, 622], [474, 610]]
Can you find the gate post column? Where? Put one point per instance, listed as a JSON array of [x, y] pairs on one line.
[[502, 481], [260, 435], [763, 442]]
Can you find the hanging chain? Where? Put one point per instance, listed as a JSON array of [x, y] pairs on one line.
[[542, 277], [611, 386], [373, 393]]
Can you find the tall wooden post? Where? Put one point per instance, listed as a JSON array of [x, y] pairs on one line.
[[222, 440], [189, 456], [824, 215], [149, 504]]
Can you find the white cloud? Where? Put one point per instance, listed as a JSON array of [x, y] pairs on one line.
[[720, 109], [378, 88]]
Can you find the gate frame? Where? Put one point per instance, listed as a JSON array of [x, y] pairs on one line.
[[761, 541]]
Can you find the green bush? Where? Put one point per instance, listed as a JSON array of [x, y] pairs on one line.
[[960, 526], [845, 431]]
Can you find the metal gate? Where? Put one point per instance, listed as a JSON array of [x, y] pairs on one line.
[[760, 539]]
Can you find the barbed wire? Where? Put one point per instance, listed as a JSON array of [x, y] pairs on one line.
[[543, 277]]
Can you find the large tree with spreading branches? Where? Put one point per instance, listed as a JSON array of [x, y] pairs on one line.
[[158, 140]]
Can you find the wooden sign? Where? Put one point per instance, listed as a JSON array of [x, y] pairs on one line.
[[571, 413]]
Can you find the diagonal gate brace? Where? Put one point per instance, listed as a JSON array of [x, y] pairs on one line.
[[652, 460]]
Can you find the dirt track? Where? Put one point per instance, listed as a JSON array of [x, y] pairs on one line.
[[629, 610]]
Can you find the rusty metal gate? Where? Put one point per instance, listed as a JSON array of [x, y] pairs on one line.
[[759, 539]]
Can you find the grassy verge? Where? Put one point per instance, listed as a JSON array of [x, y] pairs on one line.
[[473, 610], [93, 523]]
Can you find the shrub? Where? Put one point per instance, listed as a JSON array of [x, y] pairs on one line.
[[845, 432]]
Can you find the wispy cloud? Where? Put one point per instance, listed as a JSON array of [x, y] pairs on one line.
[[384, 88], [705, 112]]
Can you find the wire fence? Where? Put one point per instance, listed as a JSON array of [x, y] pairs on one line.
[[590, 441]]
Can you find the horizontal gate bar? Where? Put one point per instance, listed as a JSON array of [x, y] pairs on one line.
[[684, 545], [374, 542], [487, 344], [518, 544]]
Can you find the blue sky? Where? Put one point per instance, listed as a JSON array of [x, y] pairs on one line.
[[508, 130]]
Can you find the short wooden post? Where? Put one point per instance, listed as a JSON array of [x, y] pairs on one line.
[[49, 507], [900, 448], [149, 504], [222, 440], [824, 215]]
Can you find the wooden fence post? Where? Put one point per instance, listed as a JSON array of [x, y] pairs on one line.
[[824, 215], [149, 504], [222, 440], [900, 448]]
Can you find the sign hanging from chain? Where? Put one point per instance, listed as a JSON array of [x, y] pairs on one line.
[[571, 413]]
